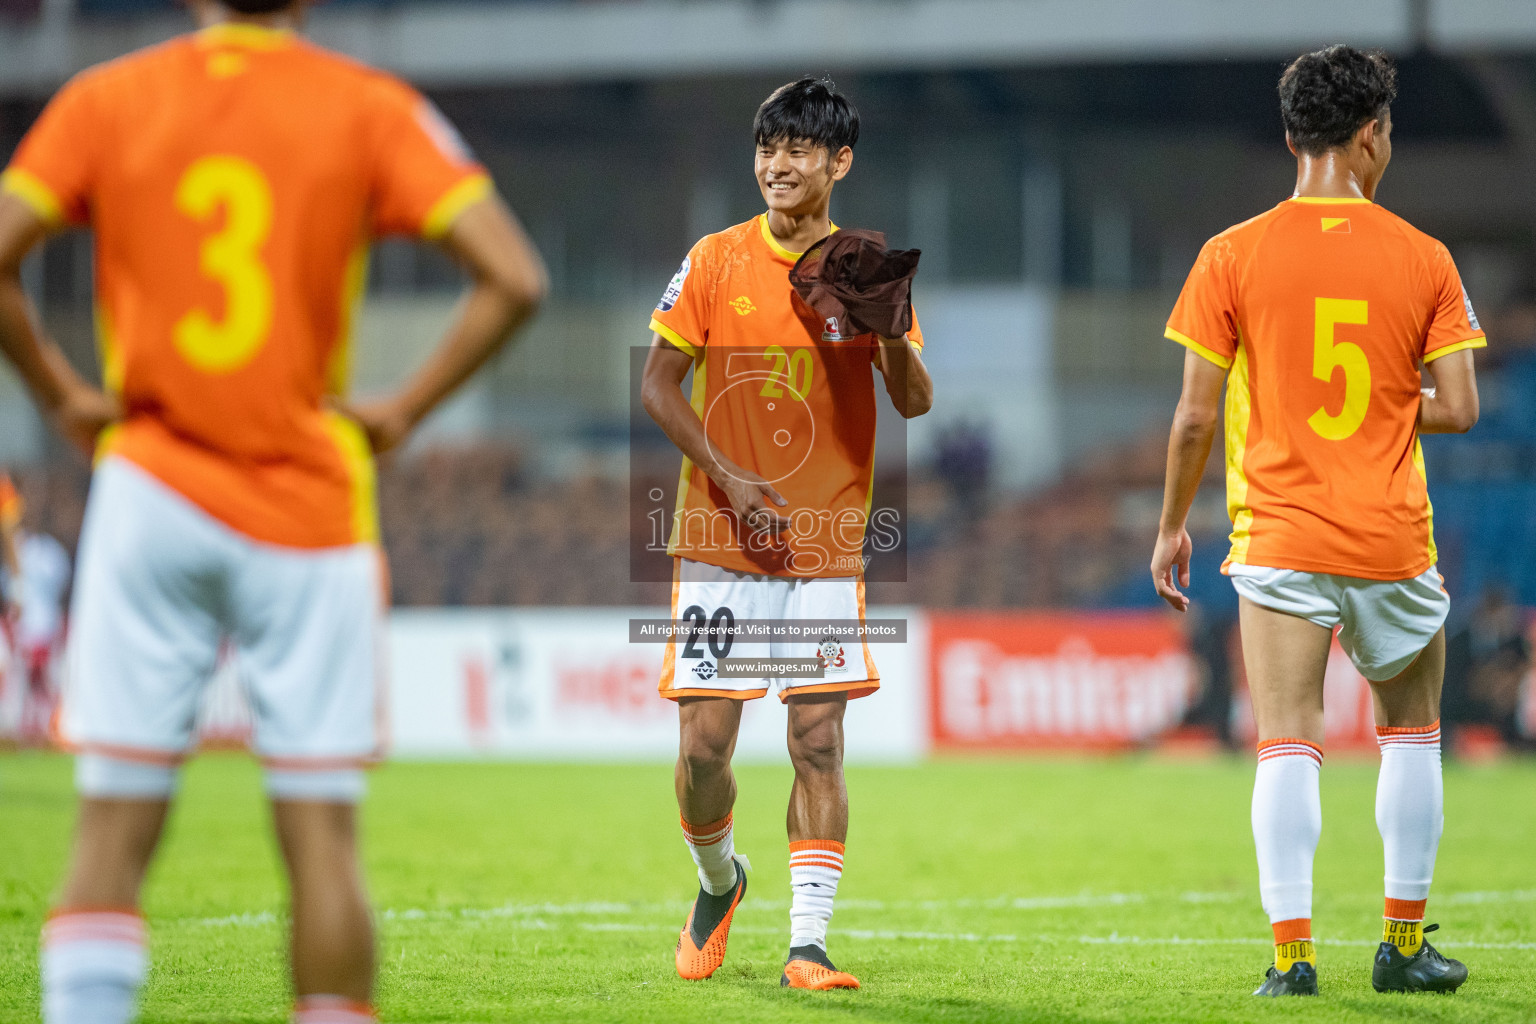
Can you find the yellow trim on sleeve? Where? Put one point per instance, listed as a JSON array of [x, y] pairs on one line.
[[1197, 348], [676, 339], [30, 189], [439, 219], [1460, 346]]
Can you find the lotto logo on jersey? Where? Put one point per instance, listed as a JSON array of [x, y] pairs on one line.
[[831, 331], [675, 289]]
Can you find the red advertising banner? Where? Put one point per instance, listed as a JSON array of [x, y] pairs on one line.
[[1013, 680]]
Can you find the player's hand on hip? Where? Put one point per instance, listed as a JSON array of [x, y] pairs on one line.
[[84, 412], [1170, 567], [754, 500], [384, 420]]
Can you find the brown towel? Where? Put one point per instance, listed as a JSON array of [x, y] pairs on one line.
[[851, 275]]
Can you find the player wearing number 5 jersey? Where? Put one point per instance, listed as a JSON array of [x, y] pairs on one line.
[[778, 443], [1318, 317], [233, 179]]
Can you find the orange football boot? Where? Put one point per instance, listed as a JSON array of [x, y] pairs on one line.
[[701, 946], [808, 967]]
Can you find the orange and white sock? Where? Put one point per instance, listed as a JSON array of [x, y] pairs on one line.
[[713, 848], [332, 1010], [815, 867], [1293, 943], [93, 963], [1410, 814], [1287, 822]]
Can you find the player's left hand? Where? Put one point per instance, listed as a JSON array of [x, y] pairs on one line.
[[1173, 551], [385, 422]]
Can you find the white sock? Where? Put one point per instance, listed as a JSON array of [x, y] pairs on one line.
[[815, 866], [713, 848], [1287, 822], [93, 964], [332, 1010], [1410, 808]]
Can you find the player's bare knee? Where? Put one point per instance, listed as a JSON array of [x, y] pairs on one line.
[[817, 750], [705, 753]]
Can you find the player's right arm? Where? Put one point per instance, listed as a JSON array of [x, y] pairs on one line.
[[1189, 446], [1205, 322], [661, 392]]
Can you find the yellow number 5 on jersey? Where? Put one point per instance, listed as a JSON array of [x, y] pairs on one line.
[[232, 257], [1328, 356]]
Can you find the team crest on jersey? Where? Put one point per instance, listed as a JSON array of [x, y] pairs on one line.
[[831, 331], [705, 670], [675, 289], [1471, 316]]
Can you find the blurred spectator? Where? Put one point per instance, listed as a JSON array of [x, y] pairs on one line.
[[1486, 662], [963, 460]]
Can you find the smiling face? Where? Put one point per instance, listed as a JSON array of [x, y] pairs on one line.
[[796, 176]]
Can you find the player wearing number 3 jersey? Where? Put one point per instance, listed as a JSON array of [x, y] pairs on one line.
[[1318, 317], [234, 179], [778, 443]]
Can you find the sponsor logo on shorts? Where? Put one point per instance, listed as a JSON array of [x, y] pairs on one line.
[[705, 670], [675, 289]]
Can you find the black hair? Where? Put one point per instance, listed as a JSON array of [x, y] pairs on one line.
[[1326, 96], [258, 6], [810, 109]]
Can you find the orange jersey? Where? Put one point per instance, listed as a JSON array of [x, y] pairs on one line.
[[782, 392], [1322, 311], [234, 179]]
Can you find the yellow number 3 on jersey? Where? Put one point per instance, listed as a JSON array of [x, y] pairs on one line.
[[232, 257], [1328, 356]]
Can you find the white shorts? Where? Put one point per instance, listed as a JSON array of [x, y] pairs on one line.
[[689, 666], [162, 586], [1386, 623]]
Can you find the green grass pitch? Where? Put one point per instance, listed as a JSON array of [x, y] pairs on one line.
[[977, 890]]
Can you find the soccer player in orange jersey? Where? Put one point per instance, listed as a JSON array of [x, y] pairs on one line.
[[233, 179], [1318, 317], [778, 445]]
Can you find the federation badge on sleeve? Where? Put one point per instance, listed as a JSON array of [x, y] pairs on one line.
[[675, 289], [1471, 316], [831, 331]]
